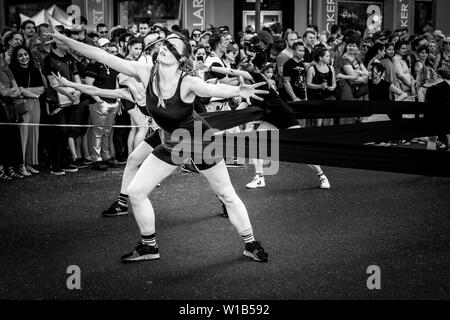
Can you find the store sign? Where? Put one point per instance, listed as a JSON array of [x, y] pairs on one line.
[[403, 12], [194, 13], [330, 15]]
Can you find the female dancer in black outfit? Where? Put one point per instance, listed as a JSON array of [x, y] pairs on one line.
[[170, 96]]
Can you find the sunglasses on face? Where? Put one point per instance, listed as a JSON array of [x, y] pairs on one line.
[[103, 32]]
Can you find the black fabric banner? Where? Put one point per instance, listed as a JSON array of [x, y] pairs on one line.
[[343, 146], [347, 108]]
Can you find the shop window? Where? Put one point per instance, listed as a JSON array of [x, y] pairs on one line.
[[267, 18], [357, 15], [423, 17], [155, 10]]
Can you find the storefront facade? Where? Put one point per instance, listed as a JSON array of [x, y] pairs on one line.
[[237, 14]]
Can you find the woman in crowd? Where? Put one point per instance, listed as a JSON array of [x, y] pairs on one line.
[[139, 122], [387, 62], [11, 156], [423, 54], [31, 86], [350, 66], [403, 68], [381, 89], [442, 63], [170, 96], [320, 80], [433, 47], [375, 54], [12, 40]]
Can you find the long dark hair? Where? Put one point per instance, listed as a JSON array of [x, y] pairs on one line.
[[185, 65], [397, 48], [372, 52], [14, 65]]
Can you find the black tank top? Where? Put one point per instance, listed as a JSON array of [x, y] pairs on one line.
[[176, 114], [319, 78]]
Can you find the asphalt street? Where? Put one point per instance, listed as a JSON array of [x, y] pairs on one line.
[[320, 243]]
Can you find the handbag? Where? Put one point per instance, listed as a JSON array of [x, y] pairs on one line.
[[11, 113], [359, 89], [20, 106], [20, 102]]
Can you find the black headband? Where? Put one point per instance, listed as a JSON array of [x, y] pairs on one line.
[[172, 49]]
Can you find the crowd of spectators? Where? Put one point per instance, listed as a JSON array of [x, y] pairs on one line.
[[299, 65]]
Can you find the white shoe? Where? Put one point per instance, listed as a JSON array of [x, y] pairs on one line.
[[324, 183], [23, 171], [257, 182], [32, 170]]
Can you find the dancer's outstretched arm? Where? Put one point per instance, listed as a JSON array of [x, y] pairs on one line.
[[202, 89], [138, 69], [122, 93], [231, 72]]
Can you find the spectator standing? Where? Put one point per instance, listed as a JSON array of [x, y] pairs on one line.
[[103, 111], [402, 65], [102, 31], [321, 81], [60, 102], [390, 73], [144, 28], [354, 74], [11, 157], [28, 29], [309, 39], [294, 74], [12, 40], [443, 61], [31, 86], [285, 55]]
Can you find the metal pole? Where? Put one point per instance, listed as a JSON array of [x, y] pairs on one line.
[[257, 15]]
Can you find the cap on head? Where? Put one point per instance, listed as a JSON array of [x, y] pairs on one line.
[[103, 41]]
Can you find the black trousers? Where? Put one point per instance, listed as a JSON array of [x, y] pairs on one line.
[[59, 139], [120, 136], [10, 143], [10, 146]]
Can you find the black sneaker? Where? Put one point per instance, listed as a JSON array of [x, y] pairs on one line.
[[142, 252], [111, 163], [57, 171], [115, 210], [70, 167], [86, 161], [255, 251], [78, 163], [100, 166]]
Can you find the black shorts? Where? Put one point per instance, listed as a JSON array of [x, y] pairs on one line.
[[163, 151], [154, 139]]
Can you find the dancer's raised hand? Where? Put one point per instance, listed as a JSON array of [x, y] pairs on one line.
[[248, 91], [60, 81]]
